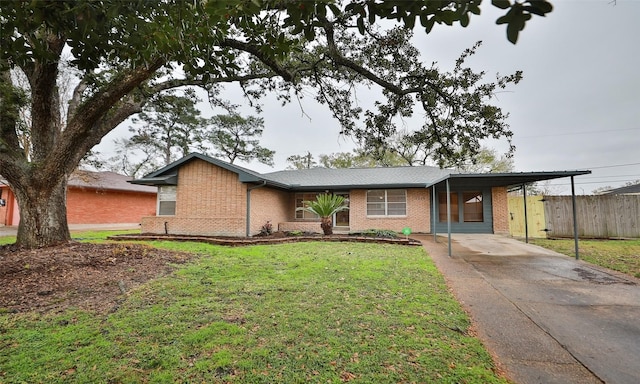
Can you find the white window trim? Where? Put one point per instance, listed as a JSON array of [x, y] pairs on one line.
[[175, 199], [386, 204]]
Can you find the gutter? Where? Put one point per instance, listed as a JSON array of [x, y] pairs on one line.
[[248, 218]]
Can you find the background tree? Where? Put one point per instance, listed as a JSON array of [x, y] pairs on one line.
[[168, 127], [301, 161], [126, 52], [131, 159], [234, 137], [487, 160]]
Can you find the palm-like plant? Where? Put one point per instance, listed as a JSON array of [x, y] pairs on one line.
[[325, 205]]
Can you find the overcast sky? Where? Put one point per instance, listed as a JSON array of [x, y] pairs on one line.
[[578, 106]]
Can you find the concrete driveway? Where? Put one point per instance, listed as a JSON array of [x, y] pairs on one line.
[[546, 317]]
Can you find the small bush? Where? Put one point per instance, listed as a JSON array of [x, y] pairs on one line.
[[295, 233], [266, 229], [384, 233]]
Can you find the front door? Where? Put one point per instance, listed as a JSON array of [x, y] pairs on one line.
[[341, 219]]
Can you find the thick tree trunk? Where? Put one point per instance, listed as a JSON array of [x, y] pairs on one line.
[[43, 214]]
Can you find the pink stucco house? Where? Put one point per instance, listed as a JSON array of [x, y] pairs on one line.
[[201, 195]]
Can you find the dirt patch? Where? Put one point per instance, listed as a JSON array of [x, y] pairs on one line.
[[78, 275]]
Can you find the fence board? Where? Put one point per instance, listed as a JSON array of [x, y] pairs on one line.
[[535, 216], [606, 216]]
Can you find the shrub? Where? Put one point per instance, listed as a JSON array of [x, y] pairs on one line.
[[385, 233]]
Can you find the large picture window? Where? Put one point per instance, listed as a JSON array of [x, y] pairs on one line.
[[300, 199], [442, 208], [387, 202], [471, 210], [167, 200]]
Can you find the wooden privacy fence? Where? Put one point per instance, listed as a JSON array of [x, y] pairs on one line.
[[535, 216], [599, 216]]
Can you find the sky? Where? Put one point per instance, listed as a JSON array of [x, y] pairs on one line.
[[577, 108]]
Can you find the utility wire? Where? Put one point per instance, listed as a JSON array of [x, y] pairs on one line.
[[576, 133]]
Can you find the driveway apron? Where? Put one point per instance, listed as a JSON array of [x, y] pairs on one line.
[[546, 317]]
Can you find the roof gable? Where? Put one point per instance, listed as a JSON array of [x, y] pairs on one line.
[[168, 175]]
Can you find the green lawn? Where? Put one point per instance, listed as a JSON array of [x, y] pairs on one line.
[[80, 235], [292, 313], [619, 255]]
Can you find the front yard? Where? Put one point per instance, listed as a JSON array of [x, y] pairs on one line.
[[619, 255], [302, 312]]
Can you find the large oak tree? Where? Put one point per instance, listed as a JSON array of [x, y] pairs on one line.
[[125, 52]]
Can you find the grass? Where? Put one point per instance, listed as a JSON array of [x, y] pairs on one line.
[[80, 235], [291, 313], [619, 255]]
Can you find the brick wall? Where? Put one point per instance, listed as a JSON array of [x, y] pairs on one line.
[[304, 226], [91, 206], [268, 204], [500, 205], [209, 201], [418, 216]]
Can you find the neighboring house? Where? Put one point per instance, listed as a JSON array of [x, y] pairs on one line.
[[200, 195], [93, 198], [626, 190]]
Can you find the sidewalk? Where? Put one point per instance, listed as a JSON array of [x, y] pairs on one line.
[[545, 317]]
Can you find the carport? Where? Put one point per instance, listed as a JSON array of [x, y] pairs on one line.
[[483, 181]]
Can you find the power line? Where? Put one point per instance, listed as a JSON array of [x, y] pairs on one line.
[[614, 166], [577, 133]]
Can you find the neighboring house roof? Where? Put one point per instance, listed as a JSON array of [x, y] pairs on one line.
[[316, 179], [106, 181], [626, 190], [102, 180]]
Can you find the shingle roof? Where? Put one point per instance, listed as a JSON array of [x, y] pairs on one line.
[[626, 190], [107, 181], [316, 179], [319, 178]]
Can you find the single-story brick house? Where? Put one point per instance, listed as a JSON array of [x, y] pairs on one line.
[[201, 195], [93, 198]]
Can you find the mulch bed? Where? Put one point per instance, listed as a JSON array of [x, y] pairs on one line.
[[86, 276], [276, 238]]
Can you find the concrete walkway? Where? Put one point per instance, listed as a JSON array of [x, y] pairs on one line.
[[546, 317]]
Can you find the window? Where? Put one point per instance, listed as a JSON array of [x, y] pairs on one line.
[[300, 199], [442, 207], [472, 208], [383, 202], [167, 200]]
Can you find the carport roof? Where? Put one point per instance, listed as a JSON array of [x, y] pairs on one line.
[[506, 179]]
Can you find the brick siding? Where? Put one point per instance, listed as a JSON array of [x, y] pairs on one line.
[[99, 206], [418, 216], [210, 201], [499, 202], [268, 204]]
